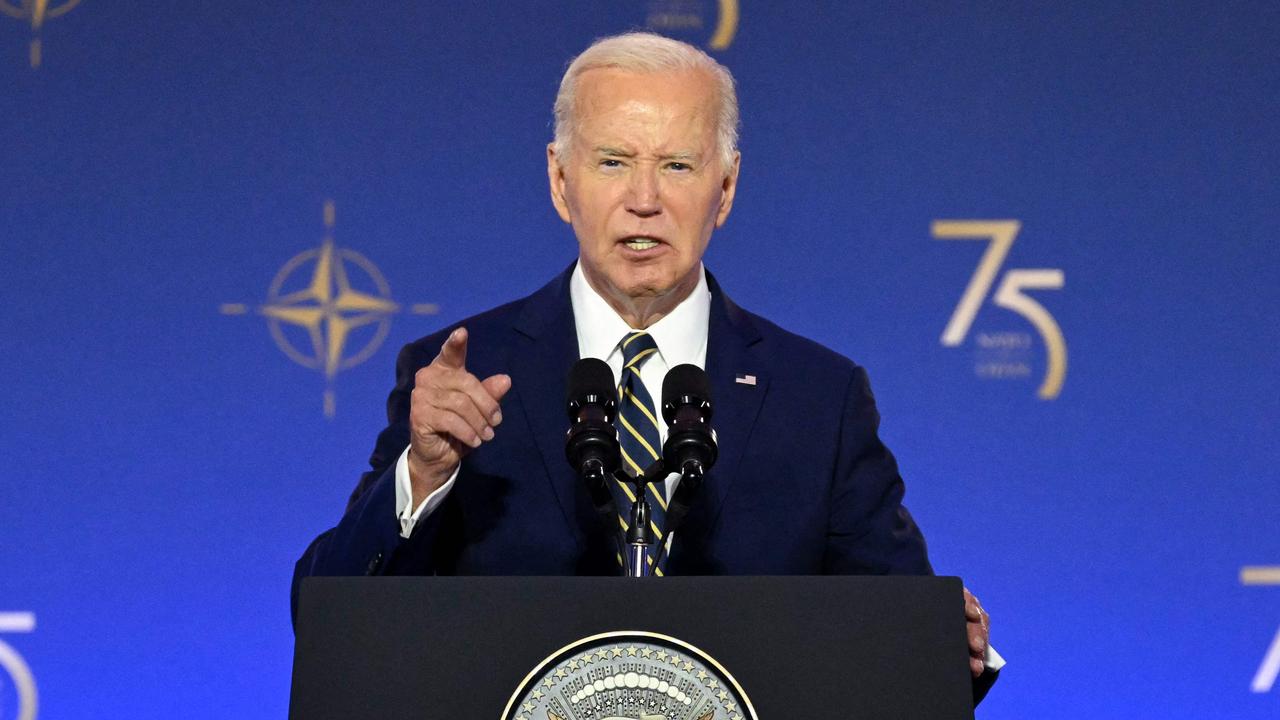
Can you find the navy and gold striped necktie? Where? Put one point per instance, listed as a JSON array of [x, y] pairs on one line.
[[638, 435]]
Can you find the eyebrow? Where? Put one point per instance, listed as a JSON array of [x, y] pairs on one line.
[[618, 152]]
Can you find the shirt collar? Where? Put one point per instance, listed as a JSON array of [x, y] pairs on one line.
[[681, 335]]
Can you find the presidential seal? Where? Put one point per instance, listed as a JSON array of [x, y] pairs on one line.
[[631, 675]]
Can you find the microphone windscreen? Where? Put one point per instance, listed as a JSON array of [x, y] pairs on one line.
[[685, 381], [590, 376]]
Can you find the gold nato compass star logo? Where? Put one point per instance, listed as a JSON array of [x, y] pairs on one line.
[[329, 309], [36, 12]]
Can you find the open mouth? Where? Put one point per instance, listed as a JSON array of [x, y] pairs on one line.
[[641, 243]]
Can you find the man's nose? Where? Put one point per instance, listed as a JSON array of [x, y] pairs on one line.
[[643, 197]]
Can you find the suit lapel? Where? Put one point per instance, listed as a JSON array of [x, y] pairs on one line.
[[545, 348], [739, 380]]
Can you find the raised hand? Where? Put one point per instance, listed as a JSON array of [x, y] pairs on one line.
[[451, 412]]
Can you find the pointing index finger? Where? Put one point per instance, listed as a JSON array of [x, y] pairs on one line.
[[454, 351]]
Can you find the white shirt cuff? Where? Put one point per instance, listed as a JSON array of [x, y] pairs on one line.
[[993, 661], [408, 516]]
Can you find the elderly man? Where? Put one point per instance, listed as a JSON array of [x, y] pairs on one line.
[[470, 477]]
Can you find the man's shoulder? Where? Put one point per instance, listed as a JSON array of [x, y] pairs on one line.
[[803, 373], [491, 329], [793, 353]]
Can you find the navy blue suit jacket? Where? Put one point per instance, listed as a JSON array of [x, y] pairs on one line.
[[803, 484]]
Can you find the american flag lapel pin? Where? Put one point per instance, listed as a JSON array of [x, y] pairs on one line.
[[744, 379]]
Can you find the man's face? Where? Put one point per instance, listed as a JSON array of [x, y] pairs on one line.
[[643, 184]]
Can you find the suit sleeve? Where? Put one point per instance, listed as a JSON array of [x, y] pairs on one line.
[[367, 540], [394, 438], [869, 530]]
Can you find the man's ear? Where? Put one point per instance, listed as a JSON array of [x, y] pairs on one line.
[[555, 178], [727, 190]]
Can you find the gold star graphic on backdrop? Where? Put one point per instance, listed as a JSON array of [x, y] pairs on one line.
[[329, 309], [36, 11]]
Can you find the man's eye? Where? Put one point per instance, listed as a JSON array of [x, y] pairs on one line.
[[679, 167], [610, 163]]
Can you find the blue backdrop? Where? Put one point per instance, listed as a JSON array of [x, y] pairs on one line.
[[180, 418]]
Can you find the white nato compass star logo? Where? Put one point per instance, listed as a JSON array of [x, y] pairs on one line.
[[631, 675]]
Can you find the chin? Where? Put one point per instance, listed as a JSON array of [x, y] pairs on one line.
[[638, 288], [639, 282]]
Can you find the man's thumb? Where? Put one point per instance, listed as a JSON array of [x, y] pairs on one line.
[[497, 385]]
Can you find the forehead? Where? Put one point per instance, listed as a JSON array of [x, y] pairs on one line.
[[609, 100]]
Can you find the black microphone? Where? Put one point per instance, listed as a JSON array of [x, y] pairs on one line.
[[591, 445], [690, 448], [686, 406]]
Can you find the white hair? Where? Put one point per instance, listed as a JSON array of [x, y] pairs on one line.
[[643, 52]]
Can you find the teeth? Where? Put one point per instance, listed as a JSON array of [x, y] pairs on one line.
[[641, 243]]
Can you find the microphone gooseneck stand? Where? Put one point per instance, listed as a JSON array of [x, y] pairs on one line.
[[691, 477], [640, 537]]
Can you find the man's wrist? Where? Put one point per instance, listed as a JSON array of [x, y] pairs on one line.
[[408, 512], [423, 478]]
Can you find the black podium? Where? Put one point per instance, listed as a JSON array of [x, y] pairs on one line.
[[542, 648]]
